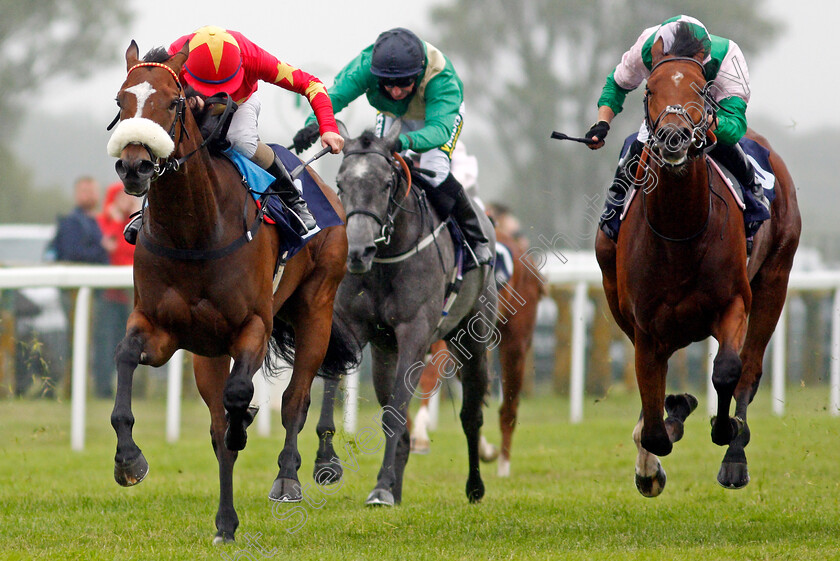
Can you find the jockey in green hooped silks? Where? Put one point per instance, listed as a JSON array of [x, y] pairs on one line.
[[723, 65], [405, 78]]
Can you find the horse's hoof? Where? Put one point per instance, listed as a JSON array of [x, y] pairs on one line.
[[724, 437], [221, 538], [285, 490], [420, 445], [680, 405], [235, 442], [487, 452], [326, 472], [733, 475], [651, 486], [475, 490], [380, 497], [132, 472]]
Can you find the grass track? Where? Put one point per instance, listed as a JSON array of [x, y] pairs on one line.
[[571, 495]]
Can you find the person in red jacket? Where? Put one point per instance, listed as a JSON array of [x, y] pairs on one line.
[[115, 304], [225, 61]]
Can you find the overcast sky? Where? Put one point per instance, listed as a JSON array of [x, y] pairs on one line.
[[791, 82]]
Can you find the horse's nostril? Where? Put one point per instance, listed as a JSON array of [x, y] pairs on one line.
[[120, 168], [146, 168], [369, 251]]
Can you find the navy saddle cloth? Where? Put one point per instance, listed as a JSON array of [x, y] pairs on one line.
[[259, 180]]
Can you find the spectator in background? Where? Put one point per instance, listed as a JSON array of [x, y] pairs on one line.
[[79, 239], [115, 303]]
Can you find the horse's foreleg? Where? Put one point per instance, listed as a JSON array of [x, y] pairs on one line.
[[394, 413], [142, 344], [651, 369], [429, 385], [327, 468], [248, 352], [726, 372], [210, 376], [769, 289], [474, 379]]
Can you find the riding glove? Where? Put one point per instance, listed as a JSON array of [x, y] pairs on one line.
[[306, 137]]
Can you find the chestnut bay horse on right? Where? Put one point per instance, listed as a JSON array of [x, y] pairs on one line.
[[679, 273]]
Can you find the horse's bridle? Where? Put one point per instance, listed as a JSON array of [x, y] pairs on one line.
[[699, 131], [172, 163], [386, 225]]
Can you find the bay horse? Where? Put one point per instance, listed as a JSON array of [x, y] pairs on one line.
[[203, 280], [400, 261], [518, 302], [679, 272]]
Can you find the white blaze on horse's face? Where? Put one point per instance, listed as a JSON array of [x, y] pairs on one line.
[[141, 91], [677, 78], [139, 130]]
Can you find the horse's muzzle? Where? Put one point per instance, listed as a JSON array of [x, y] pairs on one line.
[[135, 174], [360, 259], [672, 144]]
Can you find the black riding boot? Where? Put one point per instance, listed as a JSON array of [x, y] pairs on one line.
[[133, 228], [450, 199], [291, 198], [734, 159], [619, 189]]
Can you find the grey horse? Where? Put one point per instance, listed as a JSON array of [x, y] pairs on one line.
[[401, 260]]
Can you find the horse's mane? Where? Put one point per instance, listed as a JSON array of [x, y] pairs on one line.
[[158, 54], [686, 43]]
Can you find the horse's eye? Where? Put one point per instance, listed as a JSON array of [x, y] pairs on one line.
[[389, 184], [174, 104], [118, 102]]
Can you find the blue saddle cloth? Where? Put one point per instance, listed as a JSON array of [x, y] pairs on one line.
[[259, 180], [760, 158]]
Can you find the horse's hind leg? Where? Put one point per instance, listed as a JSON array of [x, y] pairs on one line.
[[512, 354], [474, 379], [327, 468], [130, 466], [210, 376]]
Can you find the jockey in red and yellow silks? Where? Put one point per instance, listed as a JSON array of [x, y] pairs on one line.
[[225, 61]]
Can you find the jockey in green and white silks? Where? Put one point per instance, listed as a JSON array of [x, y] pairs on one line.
[[724, 66], [405, 78]]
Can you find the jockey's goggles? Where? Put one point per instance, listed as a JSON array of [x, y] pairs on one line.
[[402, 82]]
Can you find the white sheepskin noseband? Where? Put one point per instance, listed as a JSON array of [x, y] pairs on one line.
[[139, 130]]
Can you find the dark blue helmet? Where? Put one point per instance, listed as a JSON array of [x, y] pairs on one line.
[[398, 53]]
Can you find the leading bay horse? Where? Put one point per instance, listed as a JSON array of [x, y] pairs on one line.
[[679, 272], [203, 279], [401, 260]]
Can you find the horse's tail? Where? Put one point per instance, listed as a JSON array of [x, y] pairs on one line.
[[343, 351]]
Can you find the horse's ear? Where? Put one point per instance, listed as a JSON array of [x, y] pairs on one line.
[[132, 55], [342, 130], [177, 60], [393, 133], [656, 53]]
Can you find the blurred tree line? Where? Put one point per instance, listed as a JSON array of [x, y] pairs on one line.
[[40, 40], [533, 66]]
